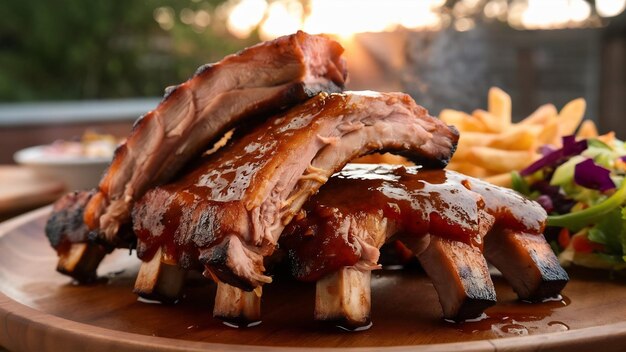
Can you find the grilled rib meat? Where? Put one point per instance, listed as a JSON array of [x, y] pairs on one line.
[[250, 85], [65, 224], [229, 211], [340, 225], [443, 216], [66, 229], [516, 245], [364, 206], [253, 83]]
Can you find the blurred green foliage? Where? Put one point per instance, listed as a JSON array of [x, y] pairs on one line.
[[77, 49]]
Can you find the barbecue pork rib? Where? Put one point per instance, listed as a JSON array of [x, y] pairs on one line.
[[516, 245], [251, 85], [67, 232], [254, 83], [443, 216], [227, 213], [364, 206]]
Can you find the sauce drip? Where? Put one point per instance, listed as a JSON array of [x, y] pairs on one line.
[[517, 319]]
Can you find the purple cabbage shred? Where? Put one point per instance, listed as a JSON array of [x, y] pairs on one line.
[[546, 203], [561, 204], [546, 149], [557, 157], [591, 175]]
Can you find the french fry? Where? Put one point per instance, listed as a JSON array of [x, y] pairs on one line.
[[608, 138], [540, 116], [498, 160], [550, 133], [468, 169], [467, 140], [491, 146], [515, 139], [534, 129], [499, 105], [502, 180], [491, 122], [571, 115], [477, 138], [453, 117], [462, 121], [587, 129]]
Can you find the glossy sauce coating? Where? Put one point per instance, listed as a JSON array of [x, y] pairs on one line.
[[247, 191], [211, 200], [420, 202], [510, 209], [258, 81]]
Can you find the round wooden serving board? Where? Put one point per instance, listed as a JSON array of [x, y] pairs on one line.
[[41, 310]]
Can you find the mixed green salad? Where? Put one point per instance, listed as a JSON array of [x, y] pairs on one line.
[[581, 186]]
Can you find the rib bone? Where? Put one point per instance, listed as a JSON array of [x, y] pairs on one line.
[[344, 298], [159, 280], [236, 307], [81, 261]]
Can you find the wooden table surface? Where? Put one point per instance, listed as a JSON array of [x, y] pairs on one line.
[[22, 189], [41, 310]]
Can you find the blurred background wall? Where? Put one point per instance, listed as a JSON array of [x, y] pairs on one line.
[[445, 53]]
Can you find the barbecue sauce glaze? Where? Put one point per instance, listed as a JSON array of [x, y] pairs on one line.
[[220, 186], [418, 202]]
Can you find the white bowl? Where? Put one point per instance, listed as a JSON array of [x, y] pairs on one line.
[[76, 172]]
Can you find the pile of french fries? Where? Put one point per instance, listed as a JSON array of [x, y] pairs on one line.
[[491, 145]]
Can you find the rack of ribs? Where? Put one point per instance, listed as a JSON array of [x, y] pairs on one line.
[[223, 212], [245, 87], [449, 220], [225, 215]]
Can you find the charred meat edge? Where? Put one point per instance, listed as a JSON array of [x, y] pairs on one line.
[[527, 262], [521, 254], [459, 271]]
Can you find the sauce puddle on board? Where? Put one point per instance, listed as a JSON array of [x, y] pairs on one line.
[[517, 319]]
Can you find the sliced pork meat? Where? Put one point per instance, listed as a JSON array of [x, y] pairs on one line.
[[251, 84], [229, 211], [364, 206]]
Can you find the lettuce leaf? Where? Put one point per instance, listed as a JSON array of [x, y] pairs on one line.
[[593, 214], [608, 231], [519, 184], [623, 234]]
